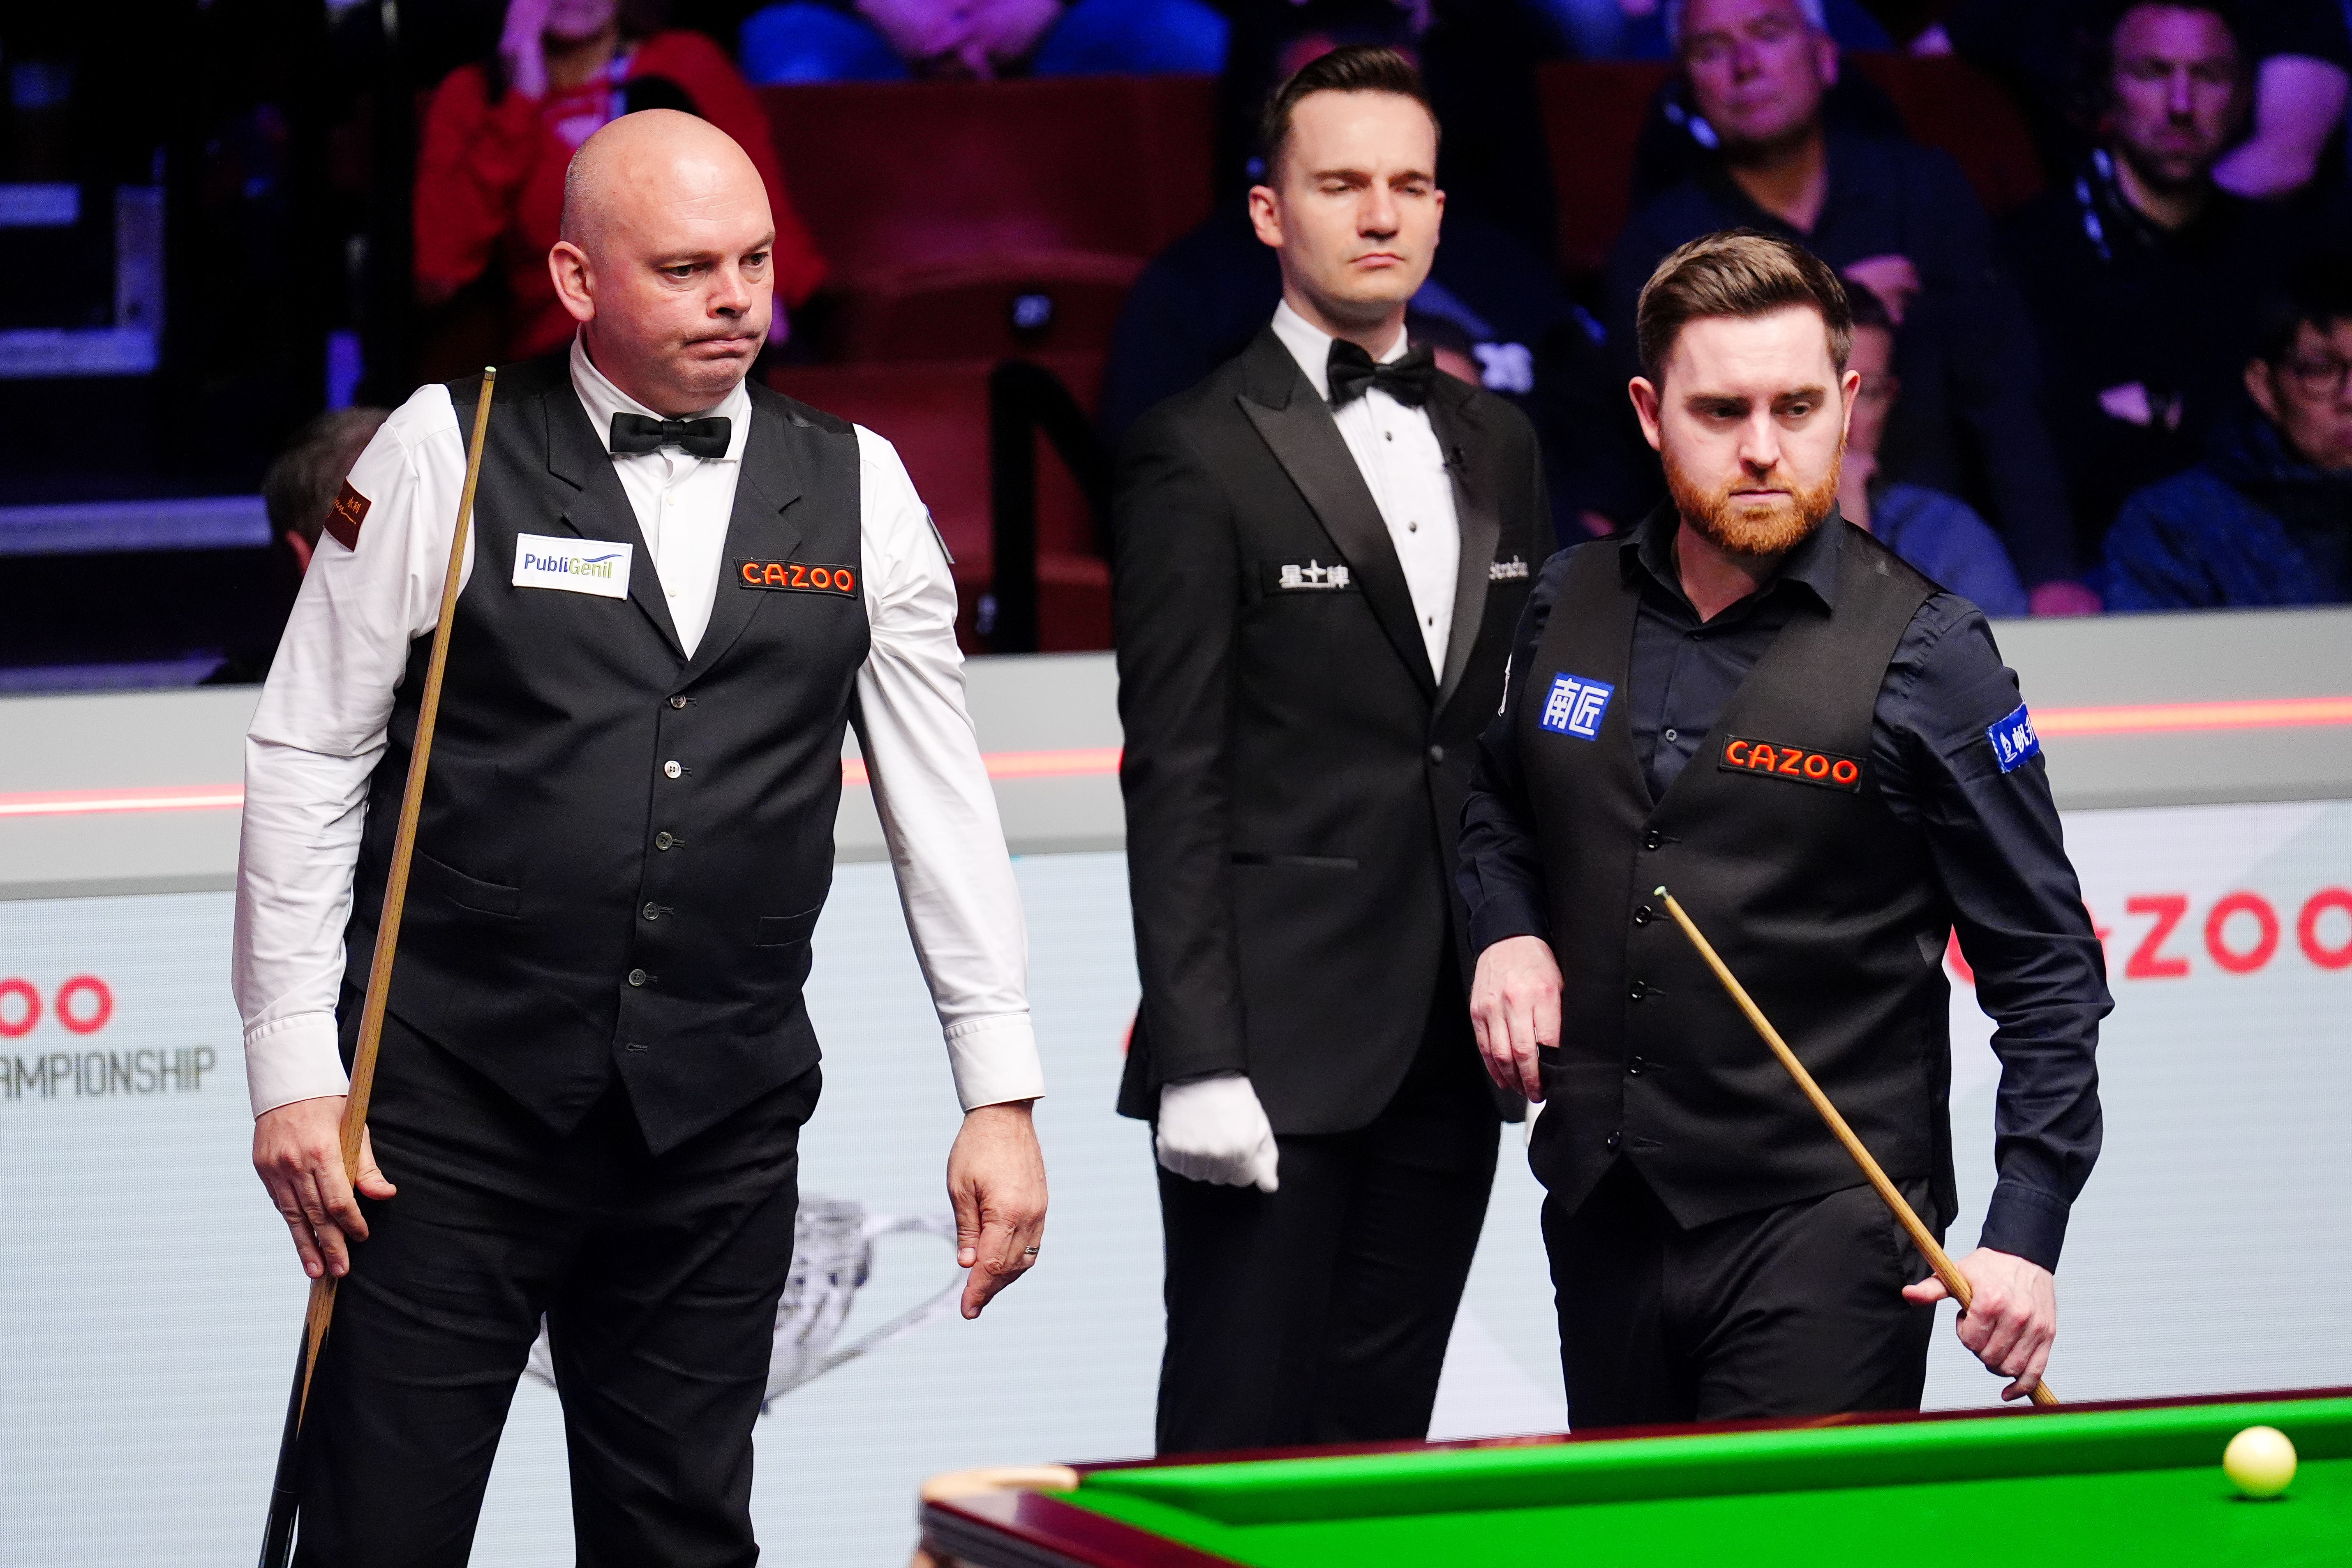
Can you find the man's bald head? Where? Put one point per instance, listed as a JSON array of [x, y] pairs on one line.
[[663, 259], [656, 156]]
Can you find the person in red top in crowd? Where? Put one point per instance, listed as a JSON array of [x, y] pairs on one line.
[[498, 136]]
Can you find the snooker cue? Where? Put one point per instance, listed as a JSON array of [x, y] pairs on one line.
[[277, 1536], [1955, 1283]]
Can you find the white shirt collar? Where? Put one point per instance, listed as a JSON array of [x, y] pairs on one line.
[[602, 399], [1310, 345]]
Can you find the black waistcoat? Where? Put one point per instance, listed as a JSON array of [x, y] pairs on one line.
[[1820, 901], [574, 910]]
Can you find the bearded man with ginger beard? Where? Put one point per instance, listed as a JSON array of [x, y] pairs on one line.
[[1753, 703]]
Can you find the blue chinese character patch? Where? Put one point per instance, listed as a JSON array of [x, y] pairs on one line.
[[1575, 705], [2014, 739]]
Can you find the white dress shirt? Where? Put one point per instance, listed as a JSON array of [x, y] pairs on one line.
[[683, 502], [319, 730], [1397, 450]]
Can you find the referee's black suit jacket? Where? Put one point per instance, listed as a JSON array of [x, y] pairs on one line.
[[1295, 771]]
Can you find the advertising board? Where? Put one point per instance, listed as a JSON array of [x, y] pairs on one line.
[[149, 1302]]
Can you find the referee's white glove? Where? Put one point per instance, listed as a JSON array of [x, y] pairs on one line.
[[1214, 1130]]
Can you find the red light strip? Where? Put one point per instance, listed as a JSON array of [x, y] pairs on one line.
[[1082, 762], [90, 802], [2170, 718], [1097, 761]]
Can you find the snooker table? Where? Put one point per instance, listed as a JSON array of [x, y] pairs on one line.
[[2136, 1482]]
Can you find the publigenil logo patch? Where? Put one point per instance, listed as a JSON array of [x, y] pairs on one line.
[[595, 567]]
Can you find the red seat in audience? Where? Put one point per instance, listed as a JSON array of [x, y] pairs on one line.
[[1950, 103], [1018, 303], [1593, 111], [936, 415], [937, 203], [897, 174]]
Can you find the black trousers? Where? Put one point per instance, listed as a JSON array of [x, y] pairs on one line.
[[1319, 1313], [1795, 1310], [659, 1278]]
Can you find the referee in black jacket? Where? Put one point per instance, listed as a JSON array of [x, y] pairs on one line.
[[1320, 553], [1755, 704]]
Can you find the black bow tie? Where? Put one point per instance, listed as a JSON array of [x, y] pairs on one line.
[[1351, 370], [633, 433]]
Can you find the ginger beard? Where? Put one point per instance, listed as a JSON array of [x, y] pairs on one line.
[[1752, 527]]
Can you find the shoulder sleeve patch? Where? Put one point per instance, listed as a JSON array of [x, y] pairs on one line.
[[2014, 739], [344, 516]]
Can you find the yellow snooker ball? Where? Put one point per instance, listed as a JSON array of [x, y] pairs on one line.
[[2260, 1461]]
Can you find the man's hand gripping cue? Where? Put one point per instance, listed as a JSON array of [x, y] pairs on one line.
[[297, 1151], [996, 1179], [1514, 1008], [2012, 1316]]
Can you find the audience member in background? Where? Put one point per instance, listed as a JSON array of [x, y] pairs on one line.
[[299, 489], [1636, 29], [2267, 518], [499, 134], [893, 40], [1938, 533], [1676, 143], [2143, 275], [299, 492], [2299, 54], [1896, 219]]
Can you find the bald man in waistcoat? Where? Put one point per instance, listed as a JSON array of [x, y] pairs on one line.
[[679, 589]]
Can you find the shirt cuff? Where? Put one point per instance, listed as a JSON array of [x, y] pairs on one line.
[[2028, 1224], [1504, 915], [298, 1056], [994, 1060]]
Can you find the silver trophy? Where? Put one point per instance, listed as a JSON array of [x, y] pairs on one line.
[[833, 1256]]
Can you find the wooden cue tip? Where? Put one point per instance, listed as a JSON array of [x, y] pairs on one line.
[[1659, 891]]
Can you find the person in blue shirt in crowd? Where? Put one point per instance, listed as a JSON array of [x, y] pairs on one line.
[[896, 40], [1937, 532], [2266, 519]]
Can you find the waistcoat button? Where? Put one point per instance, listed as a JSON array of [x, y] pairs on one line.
[[1437, 754], [678, 701], [1640, 916], [1650, 840], [663, 840], [1614, 1139], [637, 977], [653, 912], [671, 769]]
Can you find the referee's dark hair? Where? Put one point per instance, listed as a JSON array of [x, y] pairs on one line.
[[1352, 67], [1736, 272]]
